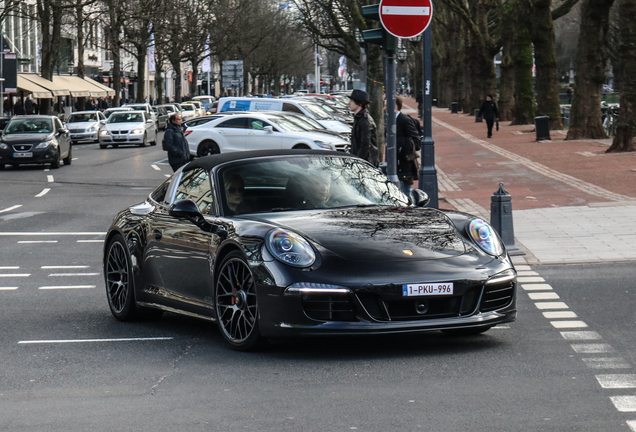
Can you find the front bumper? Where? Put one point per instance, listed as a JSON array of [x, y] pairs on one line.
[[39, 156], [121, 139], [84, 136]]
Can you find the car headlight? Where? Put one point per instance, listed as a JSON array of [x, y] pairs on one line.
[[485, 237], [3, 146], [137, 131], [290, 248], [45, 144], [324, 145], [91, 129], [103, 132]]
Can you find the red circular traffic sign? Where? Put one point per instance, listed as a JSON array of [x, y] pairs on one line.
[[405, 18]]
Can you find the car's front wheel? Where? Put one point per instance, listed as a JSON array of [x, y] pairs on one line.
[[236, 304], [69, 157], [143, 143], [57, 159]]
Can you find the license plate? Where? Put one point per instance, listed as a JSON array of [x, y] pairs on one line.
[[415, 290], [22, 154], [119, 139]]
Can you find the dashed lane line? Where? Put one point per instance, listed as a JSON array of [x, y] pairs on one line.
[[90, 241], [44, 192], [155, 167], [72, 274], [9, 267], [36, 241], [56, 287], [92, 340], [49, 178], [12, 275], [52, 267], [8, 288], [8, 209], [36, 234]]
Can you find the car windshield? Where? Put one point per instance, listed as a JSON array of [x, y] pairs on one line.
[[205, 100], [187, 107], [305, 122], [138, 107], [81, 118], [170, 109], [305, 183], [286, 125], [108, 113], [125, 117], [29, 126], [318, 112]]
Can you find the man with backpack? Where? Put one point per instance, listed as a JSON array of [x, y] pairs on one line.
[[175, 143], [408, 143]]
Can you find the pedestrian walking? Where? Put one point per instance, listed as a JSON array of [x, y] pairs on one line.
[[175, 143], [489, 113], [18, 108], [363, 137], [407, 136]]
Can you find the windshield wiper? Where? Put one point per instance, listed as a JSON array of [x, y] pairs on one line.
[[280, 209]]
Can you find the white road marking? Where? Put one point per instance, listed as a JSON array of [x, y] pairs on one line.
[[551, 305], [592, 348], [44, 192], [155, 167], [615, 381], [73, 274], [568, 324], [49, 178], [9, 268], [632, 425], [36, 234], [528, 279], [536, 287], [543, 296], [606, 363], [90, 241], [94, 340], [74, 159], [527, 273], [8, 288], [36, 241], [562, 314], [11, 208], [47, 170], [66, 267], [66, 287], [15, 275], [624, 403], [522, 267], [580, 335], [167, 175]]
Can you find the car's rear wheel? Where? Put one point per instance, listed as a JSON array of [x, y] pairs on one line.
[[236, 304], [472, 331], [69, 157], [57, 160], [207, 148], [119, 280]]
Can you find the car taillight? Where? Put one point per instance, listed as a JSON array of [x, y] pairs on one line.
[[188, 132]]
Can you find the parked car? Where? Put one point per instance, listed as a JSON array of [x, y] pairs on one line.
[[171, 108], [188, 111], [200, 111], [278, 244], [3, 124], [109, 111], [299, 106], [162, 117], [255, 131], [144, 107], [128, 127], [206, 101], [35, 139], [85, 125]]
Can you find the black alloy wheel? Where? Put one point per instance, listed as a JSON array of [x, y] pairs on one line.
[[69, 157], [207, 148], [119, 280], [236, 305]]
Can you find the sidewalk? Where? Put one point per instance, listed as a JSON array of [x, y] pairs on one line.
[[572, 203]]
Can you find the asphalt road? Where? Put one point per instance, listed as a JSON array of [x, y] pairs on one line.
[[68, 365]]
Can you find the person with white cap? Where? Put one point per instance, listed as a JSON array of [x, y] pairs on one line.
[[363, 132]]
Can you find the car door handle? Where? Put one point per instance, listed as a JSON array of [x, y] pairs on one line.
[[157, 234]]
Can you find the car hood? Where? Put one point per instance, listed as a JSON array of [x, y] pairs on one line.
[[377, 234], [335, 125], [124, 126], [81, 125], [25, 138], [334, 137]]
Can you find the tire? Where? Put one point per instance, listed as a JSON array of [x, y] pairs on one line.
[[1, 167], [473, 331], [57, 161], [103, 146], [236, 303], [144, 142], [120, 284], [207, 148], [154, 143], [301, 147], [69, 157], [115, 145]]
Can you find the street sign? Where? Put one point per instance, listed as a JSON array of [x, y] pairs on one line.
[[405, 18]]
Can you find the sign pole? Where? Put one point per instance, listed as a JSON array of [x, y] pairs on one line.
[[391, 144], [428, 173]]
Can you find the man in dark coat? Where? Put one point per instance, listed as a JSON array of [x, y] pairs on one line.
[[489, 113], [406, 134], [175, 143], [363, 137]]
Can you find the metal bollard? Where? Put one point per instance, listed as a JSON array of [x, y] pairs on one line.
[[501, 219], [542, 127], [454, 107], [478, 118]]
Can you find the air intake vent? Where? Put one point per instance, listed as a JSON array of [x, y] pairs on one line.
[[497, 296], [326, 307]]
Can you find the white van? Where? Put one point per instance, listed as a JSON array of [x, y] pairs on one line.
[[307, 108]]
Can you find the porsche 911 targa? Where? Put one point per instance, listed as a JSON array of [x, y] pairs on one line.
[[275, 244]]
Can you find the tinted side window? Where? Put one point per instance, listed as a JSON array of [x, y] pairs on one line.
[[195, 185], [240, 123], [58, 123], [159, 195], [291, 108]]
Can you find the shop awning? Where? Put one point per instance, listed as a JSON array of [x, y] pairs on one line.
[[55, 89], [37, 91], [78, 87], [107, 89]]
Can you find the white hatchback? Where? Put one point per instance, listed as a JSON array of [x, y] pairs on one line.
[[254, 131]]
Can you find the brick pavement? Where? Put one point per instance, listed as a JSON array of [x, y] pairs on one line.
[[571, 201]]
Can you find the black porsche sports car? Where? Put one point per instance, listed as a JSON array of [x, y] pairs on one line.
[[275, 244]]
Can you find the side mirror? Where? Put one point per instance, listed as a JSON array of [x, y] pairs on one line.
[[149, 121], [185, 208], [268, 129], [103, 122], [418, 197]]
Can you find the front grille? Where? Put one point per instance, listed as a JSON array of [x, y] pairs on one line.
[[119, 132], [22, 147], [76, 130], [325, 307], [497, 295]]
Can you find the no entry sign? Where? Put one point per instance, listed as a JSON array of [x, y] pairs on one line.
[[405, 18]]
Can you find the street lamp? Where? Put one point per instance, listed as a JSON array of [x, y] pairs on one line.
[[401, 53], [71, 67]]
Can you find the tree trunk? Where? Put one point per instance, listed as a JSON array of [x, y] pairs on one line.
[[524, 110], [375, 88], [79, 15], [547, 81], [506, 101], [585, 115], [626, 127], [142, 58], [116, 73], [50, 19]]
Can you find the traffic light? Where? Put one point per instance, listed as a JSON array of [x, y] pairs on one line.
[[378, 36]]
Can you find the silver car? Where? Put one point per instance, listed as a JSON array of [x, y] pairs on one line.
[[85, 125], [128, 127]]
